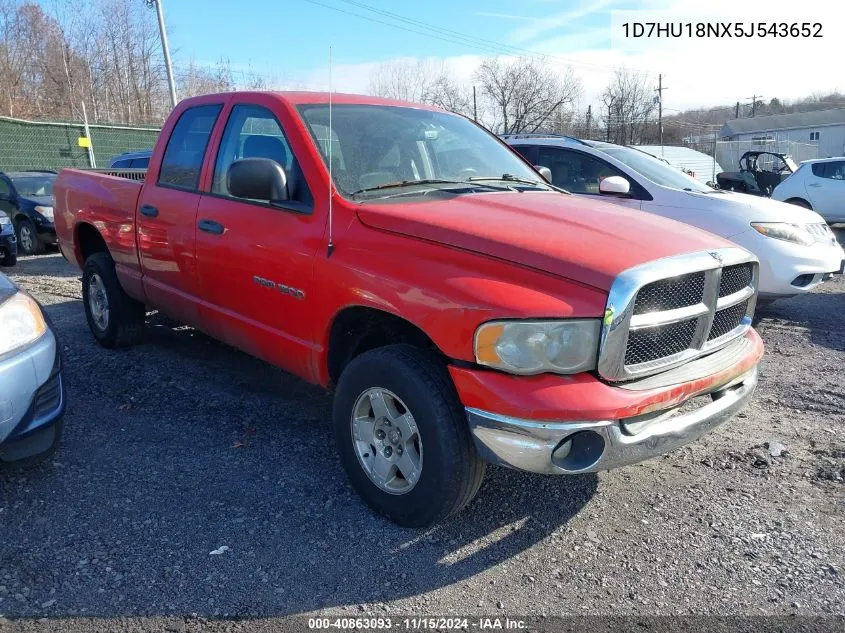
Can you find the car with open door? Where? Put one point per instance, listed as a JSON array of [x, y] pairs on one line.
[[759, 173]]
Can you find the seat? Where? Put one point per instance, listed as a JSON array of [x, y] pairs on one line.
[[263, 146], [560, 174]]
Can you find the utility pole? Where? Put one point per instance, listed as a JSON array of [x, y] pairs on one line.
[[609, 111], [659, 90], [589, 119], [754, 104], [474, 106], [165, 48], [736, 115]]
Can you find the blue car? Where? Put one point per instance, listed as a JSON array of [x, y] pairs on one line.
[[27, 198], [32, 393], [8, 242]]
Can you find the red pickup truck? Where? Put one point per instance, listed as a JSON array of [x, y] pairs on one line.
[[463, 310]]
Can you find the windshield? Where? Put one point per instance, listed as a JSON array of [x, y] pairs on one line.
[[655, 170], [377, 149], [34, 185]]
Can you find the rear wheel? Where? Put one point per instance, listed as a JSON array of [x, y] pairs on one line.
[[403, 436], [115, 318], [28, 241], [9, 260]]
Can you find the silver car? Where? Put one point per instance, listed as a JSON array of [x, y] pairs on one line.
[[32, 393]]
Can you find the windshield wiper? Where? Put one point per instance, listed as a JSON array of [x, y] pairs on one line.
[[518, 179], [426, 181]]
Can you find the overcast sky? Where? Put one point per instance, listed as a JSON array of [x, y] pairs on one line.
[[288, 42]]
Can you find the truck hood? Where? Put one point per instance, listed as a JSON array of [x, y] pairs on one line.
[[583, 240]]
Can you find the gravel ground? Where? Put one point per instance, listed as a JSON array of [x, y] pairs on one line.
[[181, 446]]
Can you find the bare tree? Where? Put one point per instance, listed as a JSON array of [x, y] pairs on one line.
[[419, 81], [197, 80], [629, 105], [526, 94]]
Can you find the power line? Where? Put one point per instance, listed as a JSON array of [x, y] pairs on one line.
[[455, 37]]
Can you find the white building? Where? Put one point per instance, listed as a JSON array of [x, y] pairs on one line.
[[824, 128]]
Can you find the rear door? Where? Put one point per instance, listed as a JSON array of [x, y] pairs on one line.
[[166, 217], [256, 260], [826, 188]]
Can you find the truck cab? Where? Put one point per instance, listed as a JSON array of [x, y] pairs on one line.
[[463, 310]]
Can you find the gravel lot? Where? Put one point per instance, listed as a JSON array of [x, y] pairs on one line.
[[182, 445]]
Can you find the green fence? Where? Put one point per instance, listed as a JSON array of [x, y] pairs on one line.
[[40, 145]]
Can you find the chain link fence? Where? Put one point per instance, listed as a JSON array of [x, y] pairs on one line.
[[54, 145]]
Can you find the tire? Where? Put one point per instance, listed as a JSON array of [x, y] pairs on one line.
[[119, 321], [450, 471], [798, 202], [28, 242], [8, 260]]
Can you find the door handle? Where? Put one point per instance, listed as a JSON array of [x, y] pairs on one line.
[[210, 226], [149, 210], [814, 184]]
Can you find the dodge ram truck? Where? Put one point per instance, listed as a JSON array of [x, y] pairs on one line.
[[462, 309]]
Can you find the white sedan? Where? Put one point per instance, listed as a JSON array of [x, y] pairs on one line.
[[818, 185], [796, 248]]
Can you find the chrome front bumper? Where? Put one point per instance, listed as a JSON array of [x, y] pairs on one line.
[[567, 448]]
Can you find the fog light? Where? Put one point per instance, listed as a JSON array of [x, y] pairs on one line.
[[579, 451]]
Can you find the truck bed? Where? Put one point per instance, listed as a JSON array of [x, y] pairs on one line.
[[105, 199]]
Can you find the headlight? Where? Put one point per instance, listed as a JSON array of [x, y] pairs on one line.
[[4, 220], [535, 347], [21, 322], [47, 212], [784, 231]]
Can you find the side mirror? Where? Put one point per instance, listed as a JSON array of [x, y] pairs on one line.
[[258, 179], [615, 186], [545, 172]]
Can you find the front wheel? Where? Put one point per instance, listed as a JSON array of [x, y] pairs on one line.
[[28, 241], [115, 318], [403, 436]]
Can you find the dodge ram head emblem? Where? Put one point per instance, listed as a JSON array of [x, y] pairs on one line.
[[716, 255]]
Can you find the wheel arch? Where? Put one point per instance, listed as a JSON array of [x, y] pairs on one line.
[[799, 201], [88, 241], [355, 329]]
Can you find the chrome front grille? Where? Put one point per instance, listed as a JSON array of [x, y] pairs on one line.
[[668, 294], [649, 344], [735, 278], [665, 313]]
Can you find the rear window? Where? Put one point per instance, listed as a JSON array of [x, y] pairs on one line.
[[834, 170], [183, 156]]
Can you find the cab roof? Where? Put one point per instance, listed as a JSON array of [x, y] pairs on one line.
[[306, 98]]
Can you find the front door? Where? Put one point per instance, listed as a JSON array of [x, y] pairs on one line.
[[582, 174], [166, 217], [256, 259]]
